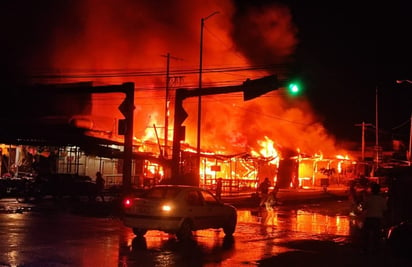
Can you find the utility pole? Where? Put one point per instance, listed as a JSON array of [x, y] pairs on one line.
[[167, 102], [199, 98], [409, 155], [363, 124], [166, 105], [378, 150], [410, 143]]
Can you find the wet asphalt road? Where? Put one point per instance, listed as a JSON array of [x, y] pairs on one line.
[[315, 234]]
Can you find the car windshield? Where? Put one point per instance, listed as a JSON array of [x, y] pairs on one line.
[[208, 197], [161, 193]]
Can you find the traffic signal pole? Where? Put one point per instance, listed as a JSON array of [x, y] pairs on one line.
[[410, 143], [128, 137], [251, 89], [126, 108]]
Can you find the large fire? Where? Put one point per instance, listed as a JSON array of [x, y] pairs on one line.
[[121, 41]]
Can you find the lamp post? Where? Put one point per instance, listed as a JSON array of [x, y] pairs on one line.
[[410, 142], [410, 131], [199, 100], [377, 148], [403, 81]]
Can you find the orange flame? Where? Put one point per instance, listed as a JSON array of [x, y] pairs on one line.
[[121, 41]]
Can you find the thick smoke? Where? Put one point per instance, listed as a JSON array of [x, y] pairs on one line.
[[265, 34], [114, 41]]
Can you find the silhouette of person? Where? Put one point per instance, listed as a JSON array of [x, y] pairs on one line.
[[271, 199], [355, 198], [100, 184], [264, 191]]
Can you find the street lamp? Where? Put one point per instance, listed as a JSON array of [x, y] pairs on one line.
[[377, 129], [410, 131], [199, 100], [403, 81]]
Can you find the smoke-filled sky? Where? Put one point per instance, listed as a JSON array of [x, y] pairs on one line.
[[340, 52]]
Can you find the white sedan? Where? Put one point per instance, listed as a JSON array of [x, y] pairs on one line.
[[177, 209]]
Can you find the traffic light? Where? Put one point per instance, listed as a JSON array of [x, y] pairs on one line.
[[180, 112], [121, 126], [180, 115], [294, 88], [258, 87]]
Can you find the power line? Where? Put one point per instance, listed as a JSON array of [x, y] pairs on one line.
[[117, 73], [402, 124]]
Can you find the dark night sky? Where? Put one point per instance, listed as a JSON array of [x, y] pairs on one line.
[[346, 51]]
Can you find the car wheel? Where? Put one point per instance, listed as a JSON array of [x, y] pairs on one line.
[[185, 231], [230, 226], [139, 231]]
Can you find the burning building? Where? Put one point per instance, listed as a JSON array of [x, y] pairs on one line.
[[113, 42]]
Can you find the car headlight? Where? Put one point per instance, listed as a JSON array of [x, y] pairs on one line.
[[166, 207]]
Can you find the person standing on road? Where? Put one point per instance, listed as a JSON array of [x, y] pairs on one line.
[[264, 191], [100, 184], [356, 199], [271, 200], [375, 206]]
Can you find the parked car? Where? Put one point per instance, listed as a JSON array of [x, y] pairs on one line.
[[179, 210]]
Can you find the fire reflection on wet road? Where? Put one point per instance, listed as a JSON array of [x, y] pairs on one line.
[[277, 228], [258, 235], [64, 239]]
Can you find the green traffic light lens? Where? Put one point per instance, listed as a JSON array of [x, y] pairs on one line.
[[294, 88]]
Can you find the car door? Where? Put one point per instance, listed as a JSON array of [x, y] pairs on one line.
[[196, 209], [216, 214]]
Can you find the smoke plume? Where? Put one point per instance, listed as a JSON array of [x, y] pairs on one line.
[[116, 41]]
